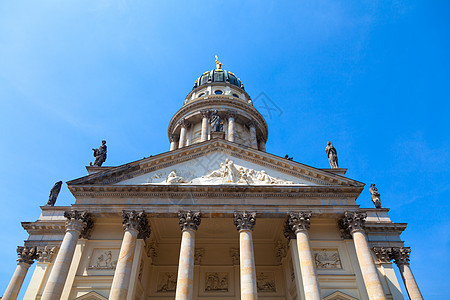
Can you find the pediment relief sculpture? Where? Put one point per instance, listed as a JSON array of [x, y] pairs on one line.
[[227, 173]]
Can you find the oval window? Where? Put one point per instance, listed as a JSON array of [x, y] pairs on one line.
[[218, 92], [235, 95], [201, 95]]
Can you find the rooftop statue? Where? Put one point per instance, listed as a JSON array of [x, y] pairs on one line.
[[332, 155], [375, 196], [54, 192], [215, 121], [218, 64], [100, 155]]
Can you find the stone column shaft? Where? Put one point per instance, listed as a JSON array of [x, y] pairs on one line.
[[410, 282], [136, 226], [173, 142], [253, 140], [247, 262], [231, 115], [401, 257], [189, 222], [309, 276], [77, 223], [245, 222], [353, 223], [122, 274], [367, 265], [185, 279], [182, 141], [16, 281], [205, 123], [300, 224]]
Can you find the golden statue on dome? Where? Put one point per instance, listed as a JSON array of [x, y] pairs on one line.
[[218, 64]]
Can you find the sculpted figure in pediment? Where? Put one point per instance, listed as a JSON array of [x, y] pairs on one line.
[[174, 178]]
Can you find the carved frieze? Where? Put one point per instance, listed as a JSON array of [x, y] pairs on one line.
[[265, 282], [244, 220], [327, 259], [104, 259], [26, 255], [167, 282], [152, 249], [350, 222], [216, 281], [189, 220], [133, 220], [300, 221], [281, 249]]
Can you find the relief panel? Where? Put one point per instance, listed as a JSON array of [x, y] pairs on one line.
[[103, 259], [327, 259]]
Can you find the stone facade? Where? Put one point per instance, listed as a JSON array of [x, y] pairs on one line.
[[214, 218]]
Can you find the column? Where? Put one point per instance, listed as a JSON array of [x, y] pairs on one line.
[[253, 141], [245, 221], [205, 123], [300, 224], [78, 224], [189, 222], [401, 257], [231, 115], [383, 257], [353, 223], [135, 225], [26, 258], [174, 142], [183, 124], [45, 258], [261, 143]]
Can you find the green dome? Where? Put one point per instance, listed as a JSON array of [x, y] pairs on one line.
[[218, 75]]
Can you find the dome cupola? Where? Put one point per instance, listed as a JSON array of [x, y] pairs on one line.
[[218, 97]]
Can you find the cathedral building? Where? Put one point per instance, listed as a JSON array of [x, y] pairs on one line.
[[214, 217]]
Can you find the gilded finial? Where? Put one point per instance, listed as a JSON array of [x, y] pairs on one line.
[[218, 64]]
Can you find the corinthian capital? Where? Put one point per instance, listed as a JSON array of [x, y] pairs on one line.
[[244, 220], [205, 113], [231, 114], [351, 222], [189, 220], [80, 221], [184, 123], [401, 255], [383, 254], [133, 220], [252, 123], [299, 221], [46, 254], [26, 255], [174, 138]]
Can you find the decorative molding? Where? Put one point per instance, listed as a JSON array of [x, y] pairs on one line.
[[198, 255], [244, 220], [235, 256], [231, 114], [27, 255], [300, 221], [152, 249], [351, 222], [265, 282], [216, 281], [80, 221], [287, 231], [281, 249], [47, 254], [401, 255], [327, 259], [133, 220], [339, 296], [252, 123], [189, 220]]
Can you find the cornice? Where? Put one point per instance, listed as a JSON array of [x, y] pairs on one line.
[[382, 227], [167, 159], [57, 227]]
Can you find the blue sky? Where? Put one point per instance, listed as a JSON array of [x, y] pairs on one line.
[[371, 76]]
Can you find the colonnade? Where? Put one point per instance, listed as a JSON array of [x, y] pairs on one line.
[[136, 226], [179, 141]]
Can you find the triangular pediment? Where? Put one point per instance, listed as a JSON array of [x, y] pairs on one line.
[[91, 296], [215, 162]]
